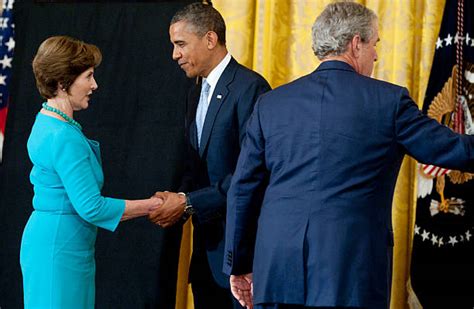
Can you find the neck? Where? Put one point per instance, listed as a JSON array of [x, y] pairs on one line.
[[62, 104], [217, 57], [347, 58], [60, 113]]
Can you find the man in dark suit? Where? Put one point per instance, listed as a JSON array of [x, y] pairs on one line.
[[326, 149], [217, 112]]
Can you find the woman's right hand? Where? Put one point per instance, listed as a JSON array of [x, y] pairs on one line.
[[139, 208], [156, 202]]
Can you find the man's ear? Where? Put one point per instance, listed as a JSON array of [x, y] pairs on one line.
[[356, 45], [212, 39]]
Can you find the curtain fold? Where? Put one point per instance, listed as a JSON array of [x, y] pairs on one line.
[[273, 37]]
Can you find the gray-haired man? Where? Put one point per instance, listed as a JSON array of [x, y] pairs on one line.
[[326, 150]]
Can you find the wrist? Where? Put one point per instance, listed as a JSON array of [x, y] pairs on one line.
[[188, 207]]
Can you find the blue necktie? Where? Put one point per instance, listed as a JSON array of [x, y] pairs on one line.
[[201, 111]]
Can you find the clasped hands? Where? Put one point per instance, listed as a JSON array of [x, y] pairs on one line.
[[171, 211]]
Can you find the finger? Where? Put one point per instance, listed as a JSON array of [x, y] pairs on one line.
[[234, 291], [161, 214], [154, 215], [151, 216], [160, 196], [154, 207], [169, 223], [246, 296], [157, 200]]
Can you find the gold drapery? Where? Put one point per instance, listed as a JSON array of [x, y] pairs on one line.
[[273, 37]]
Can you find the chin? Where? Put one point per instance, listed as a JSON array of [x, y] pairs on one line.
[[190, 74]]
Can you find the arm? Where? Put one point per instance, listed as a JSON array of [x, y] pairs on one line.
[[71, 157], [209, 203], [245, 200], [139, 208], [430, 142]]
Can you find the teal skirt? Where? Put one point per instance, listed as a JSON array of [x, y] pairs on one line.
[[57, 261]]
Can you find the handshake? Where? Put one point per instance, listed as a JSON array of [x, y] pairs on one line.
[[170, 210]]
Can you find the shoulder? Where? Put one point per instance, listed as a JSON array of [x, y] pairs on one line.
[[287, 91], [380, 84], [246, 76], [56, 130], [387, 94], [251, 75], [68, 133], [66, 138]]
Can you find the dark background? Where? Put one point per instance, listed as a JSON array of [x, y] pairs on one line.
[[137, 115], [443, 276]]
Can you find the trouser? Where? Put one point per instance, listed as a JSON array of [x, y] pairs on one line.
[[285, 306], [206, 292]]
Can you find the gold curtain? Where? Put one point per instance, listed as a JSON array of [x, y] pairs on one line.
[[273, 37]]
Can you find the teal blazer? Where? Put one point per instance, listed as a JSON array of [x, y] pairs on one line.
[[57, 250]]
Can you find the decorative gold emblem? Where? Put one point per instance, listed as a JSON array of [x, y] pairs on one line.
[[445, 101], [441, 109]]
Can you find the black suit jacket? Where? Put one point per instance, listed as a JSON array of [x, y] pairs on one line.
[[209, 168]]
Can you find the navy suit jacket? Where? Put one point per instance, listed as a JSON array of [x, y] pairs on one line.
[[331, 144], [209, 168]]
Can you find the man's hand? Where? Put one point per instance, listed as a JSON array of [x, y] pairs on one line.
[[241, 287], [170, 211]]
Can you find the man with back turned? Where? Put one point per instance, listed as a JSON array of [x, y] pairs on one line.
[[326, 149]]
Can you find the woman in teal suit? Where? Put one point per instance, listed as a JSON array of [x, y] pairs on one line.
[[57, 249]]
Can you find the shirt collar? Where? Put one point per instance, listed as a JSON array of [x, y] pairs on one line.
[[216, 73]]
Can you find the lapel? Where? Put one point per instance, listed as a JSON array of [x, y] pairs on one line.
[[97, 170], [193, 100], [218, 99], [95, 146]]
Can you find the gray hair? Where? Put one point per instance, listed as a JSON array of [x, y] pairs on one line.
[[338, 24], [203, 18]]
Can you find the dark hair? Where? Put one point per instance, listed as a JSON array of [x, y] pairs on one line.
[[60, 60], [203, 18]]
